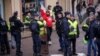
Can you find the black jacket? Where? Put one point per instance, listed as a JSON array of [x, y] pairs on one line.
[[94, 29], [65, 27], [3, 26], [78, 7], [15, 24], [34, 27], [90, 9], [57, 9]]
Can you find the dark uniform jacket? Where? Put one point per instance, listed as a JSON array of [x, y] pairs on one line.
[[3, 26], [94, 29], [15, 24], [34, 27]]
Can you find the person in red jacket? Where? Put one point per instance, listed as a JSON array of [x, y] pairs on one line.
[[49, 22]]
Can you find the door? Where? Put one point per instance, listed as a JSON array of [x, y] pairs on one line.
[[1, 9]]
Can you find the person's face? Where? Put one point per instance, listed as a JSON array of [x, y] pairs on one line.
[[68, 16], [49, 8], [59, 15], [36, 17], [29, 14], [41, 18], [92, 17], [72, 17], [48, 14], [90, 5]]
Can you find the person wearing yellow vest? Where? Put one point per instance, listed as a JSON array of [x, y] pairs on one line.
[[42, 25], [73, 33], [35, 32], [27, 19]]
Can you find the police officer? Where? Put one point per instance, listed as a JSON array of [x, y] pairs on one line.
[[16, 28], [73, 33], [27, 19], [4, 44], [35, 29], [42, 26]]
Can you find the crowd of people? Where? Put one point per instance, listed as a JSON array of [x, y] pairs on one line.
[[67, 28]]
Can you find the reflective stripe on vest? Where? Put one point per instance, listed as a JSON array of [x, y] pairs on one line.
[[8, 24], [85, 25], [42, 29], [74, 26], [41, 24]]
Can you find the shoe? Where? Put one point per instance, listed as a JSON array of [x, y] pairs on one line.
[[19, 53], [49, 42], [75, 54], [60, 50], [2, 53], [8, 53], [13, 47], [37, 54]]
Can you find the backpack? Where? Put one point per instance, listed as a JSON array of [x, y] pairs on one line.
[[34, 27]]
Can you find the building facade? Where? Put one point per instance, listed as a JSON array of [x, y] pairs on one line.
[[8, 7]]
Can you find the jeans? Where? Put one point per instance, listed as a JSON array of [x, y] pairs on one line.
[[91, 45], [37, 43], [67, 47], [17, 37], [61, 36], [49, 32], [98, 46]]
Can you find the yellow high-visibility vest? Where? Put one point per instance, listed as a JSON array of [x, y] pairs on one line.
[[42, 29], [27, 20], [85, 27], [73, 27]]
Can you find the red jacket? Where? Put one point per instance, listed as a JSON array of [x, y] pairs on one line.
[[49, 20]]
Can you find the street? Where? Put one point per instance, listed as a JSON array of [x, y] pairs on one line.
[[53, 49]]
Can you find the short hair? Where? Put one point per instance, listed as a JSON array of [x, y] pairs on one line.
[[90, 4], [57, 2], [67, 13], [15, 13], [49, 5]]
